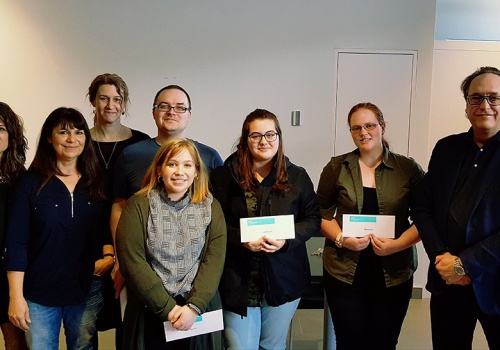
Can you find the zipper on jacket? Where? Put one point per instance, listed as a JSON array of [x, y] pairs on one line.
[[72, 212]]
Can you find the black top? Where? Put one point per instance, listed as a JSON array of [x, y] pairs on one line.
[[476, 164], [108, 152]]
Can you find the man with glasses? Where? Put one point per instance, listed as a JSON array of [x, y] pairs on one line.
[[458, 218], [172, 113]]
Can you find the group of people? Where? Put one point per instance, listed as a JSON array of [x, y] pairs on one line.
[[108, 212]]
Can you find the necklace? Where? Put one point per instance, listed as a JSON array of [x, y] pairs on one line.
[[106, 163]]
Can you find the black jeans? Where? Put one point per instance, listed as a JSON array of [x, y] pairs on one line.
[[454, 315], [370, 319]]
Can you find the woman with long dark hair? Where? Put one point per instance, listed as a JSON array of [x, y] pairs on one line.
[[13, 145], [56, 231], [263, 279]]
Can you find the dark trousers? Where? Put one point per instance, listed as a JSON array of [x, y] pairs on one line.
[[370, 320], [454, 315]]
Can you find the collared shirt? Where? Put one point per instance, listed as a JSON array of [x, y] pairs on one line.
[[340, 191]]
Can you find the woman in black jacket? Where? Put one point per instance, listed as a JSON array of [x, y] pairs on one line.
[[264, 279]]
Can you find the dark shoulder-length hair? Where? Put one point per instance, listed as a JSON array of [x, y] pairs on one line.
[[245, 163], [378, 113], [45, 162], [14, 157]]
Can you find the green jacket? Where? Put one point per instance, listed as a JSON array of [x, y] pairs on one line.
[[145, 288], [340, 191]]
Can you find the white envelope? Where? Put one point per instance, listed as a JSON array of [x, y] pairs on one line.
[[275, 227], [381, 226], [207, 323]]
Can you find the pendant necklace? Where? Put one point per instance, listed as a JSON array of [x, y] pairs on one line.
[[106, 163]]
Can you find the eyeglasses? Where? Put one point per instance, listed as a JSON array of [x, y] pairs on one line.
[[163, 107], [476, 100], [256, 137], [356, 129]]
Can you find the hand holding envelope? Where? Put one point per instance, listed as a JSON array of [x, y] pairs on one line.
[[182, 317], [383, 246], [265, 244], [381, 226]]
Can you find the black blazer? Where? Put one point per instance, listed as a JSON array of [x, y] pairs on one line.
[[481, 258]]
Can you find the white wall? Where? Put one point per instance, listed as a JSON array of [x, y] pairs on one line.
[[231, 56], [471, 20], [453, 61]]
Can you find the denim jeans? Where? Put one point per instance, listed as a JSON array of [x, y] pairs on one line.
[[264, 327], [79, 322]]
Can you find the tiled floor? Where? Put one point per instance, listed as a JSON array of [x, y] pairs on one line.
[[415, 335], [308, 330]]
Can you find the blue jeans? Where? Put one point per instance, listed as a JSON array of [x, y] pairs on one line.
[[79, 322], [264, 327]]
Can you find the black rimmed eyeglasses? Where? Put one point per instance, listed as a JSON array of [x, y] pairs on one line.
[[163, 107], [256, 137], [476, 100]]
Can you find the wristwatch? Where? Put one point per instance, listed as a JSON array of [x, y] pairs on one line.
[[339, 242], [458, 267]]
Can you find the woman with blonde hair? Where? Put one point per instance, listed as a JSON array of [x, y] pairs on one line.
[[171, 242]]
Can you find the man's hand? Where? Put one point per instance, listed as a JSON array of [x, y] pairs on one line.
[[445, 266]]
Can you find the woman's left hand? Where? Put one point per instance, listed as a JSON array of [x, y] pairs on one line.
[[182, 318], [103, 265], [270, 245], [383, 246]]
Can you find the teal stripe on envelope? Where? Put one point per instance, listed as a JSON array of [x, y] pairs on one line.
[[260, 221], [363, 219]]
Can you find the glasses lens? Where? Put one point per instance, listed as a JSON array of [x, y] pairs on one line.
[[271, 136], [494, 100], [369, 126], [255, 137], [180, 109], [475, 100]]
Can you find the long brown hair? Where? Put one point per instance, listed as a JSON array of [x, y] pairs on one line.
[[45, 161], [245, 163], [14, 157], [198, 189], [378, 113]]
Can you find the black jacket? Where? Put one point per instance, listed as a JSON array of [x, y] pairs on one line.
[[285, 273]]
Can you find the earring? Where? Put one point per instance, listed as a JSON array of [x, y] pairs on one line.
[[160, 179], [93, 111]]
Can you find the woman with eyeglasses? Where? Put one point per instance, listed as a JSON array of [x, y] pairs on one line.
[[109, 96], [13, 145], [368, 279], [263, 279]]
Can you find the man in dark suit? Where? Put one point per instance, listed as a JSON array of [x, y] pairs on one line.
[[458, 218]]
